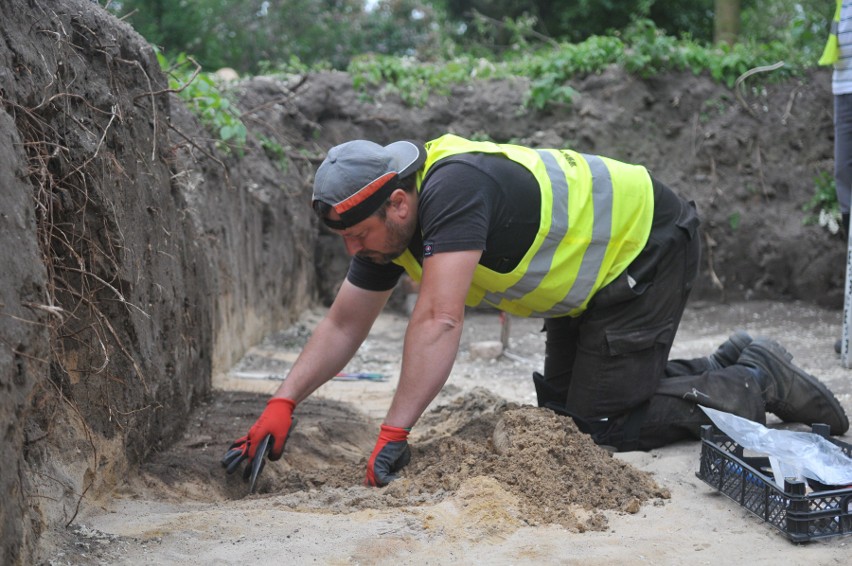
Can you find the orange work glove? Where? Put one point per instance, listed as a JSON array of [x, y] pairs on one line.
[[277, 420]]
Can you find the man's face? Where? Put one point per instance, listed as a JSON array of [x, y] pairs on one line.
[[380, 240]]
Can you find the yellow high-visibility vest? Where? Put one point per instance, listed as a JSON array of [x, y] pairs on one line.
[[832, 49], [596, 214]]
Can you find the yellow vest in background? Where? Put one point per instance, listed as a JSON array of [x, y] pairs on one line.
[[596, 214], [832, 49]]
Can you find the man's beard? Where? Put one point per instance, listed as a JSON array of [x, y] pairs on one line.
[[397, 240]]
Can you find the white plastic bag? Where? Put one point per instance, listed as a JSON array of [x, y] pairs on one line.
[[791, 454]]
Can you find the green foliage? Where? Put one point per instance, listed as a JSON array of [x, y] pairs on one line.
[[418, 47], [547, 90], [249, 35], [486, 36], [800, 25], [823, 207], [255, 35], [734, 220], [642, 49], [275, 152], [294, 66], [481, 136], [205, 98], [713, 107], [217, 33], [577, 20], [412, 79], [651, 51]]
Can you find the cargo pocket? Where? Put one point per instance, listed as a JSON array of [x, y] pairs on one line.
[[637, 361], [621, 342]]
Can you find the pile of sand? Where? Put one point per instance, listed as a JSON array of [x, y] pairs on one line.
[[501, 461]]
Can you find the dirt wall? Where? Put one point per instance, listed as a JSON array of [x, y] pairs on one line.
[[22, 346], [139, 260]]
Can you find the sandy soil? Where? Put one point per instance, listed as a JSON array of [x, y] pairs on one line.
[[478, 489]]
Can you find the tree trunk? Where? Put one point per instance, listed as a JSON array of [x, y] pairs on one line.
[[726, 23]]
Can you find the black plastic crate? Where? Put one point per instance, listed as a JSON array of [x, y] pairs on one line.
[[824, 512]]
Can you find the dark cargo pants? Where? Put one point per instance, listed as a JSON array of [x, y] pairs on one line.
[[609, 367]]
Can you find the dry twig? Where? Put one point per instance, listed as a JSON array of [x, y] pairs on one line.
[[711, 243], [150, 92], [207, 154], [747, 74]]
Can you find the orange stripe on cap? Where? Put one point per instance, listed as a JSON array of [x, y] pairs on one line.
[[363, 194]]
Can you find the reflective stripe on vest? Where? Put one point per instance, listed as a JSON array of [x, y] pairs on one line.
[[593, 258]]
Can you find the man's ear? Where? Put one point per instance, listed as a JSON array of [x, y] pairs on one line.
[[400, 204]]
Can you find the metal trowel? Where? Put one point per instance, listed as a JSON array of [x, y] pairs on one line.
[[259, 460]]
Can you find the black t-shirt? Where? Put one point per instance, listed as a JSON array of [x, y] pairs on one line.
[[471, 201]]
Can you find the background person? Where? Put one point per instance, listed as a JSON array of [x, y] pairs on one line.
[[838, 52]]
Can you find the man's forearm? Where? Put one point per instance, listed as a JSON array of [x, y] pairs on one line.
[[328, 350], [334, 342], [433, 335], [430, 350]]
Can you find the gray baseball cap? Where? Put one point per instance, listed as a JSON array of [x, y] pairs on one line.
[[358, 176]]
